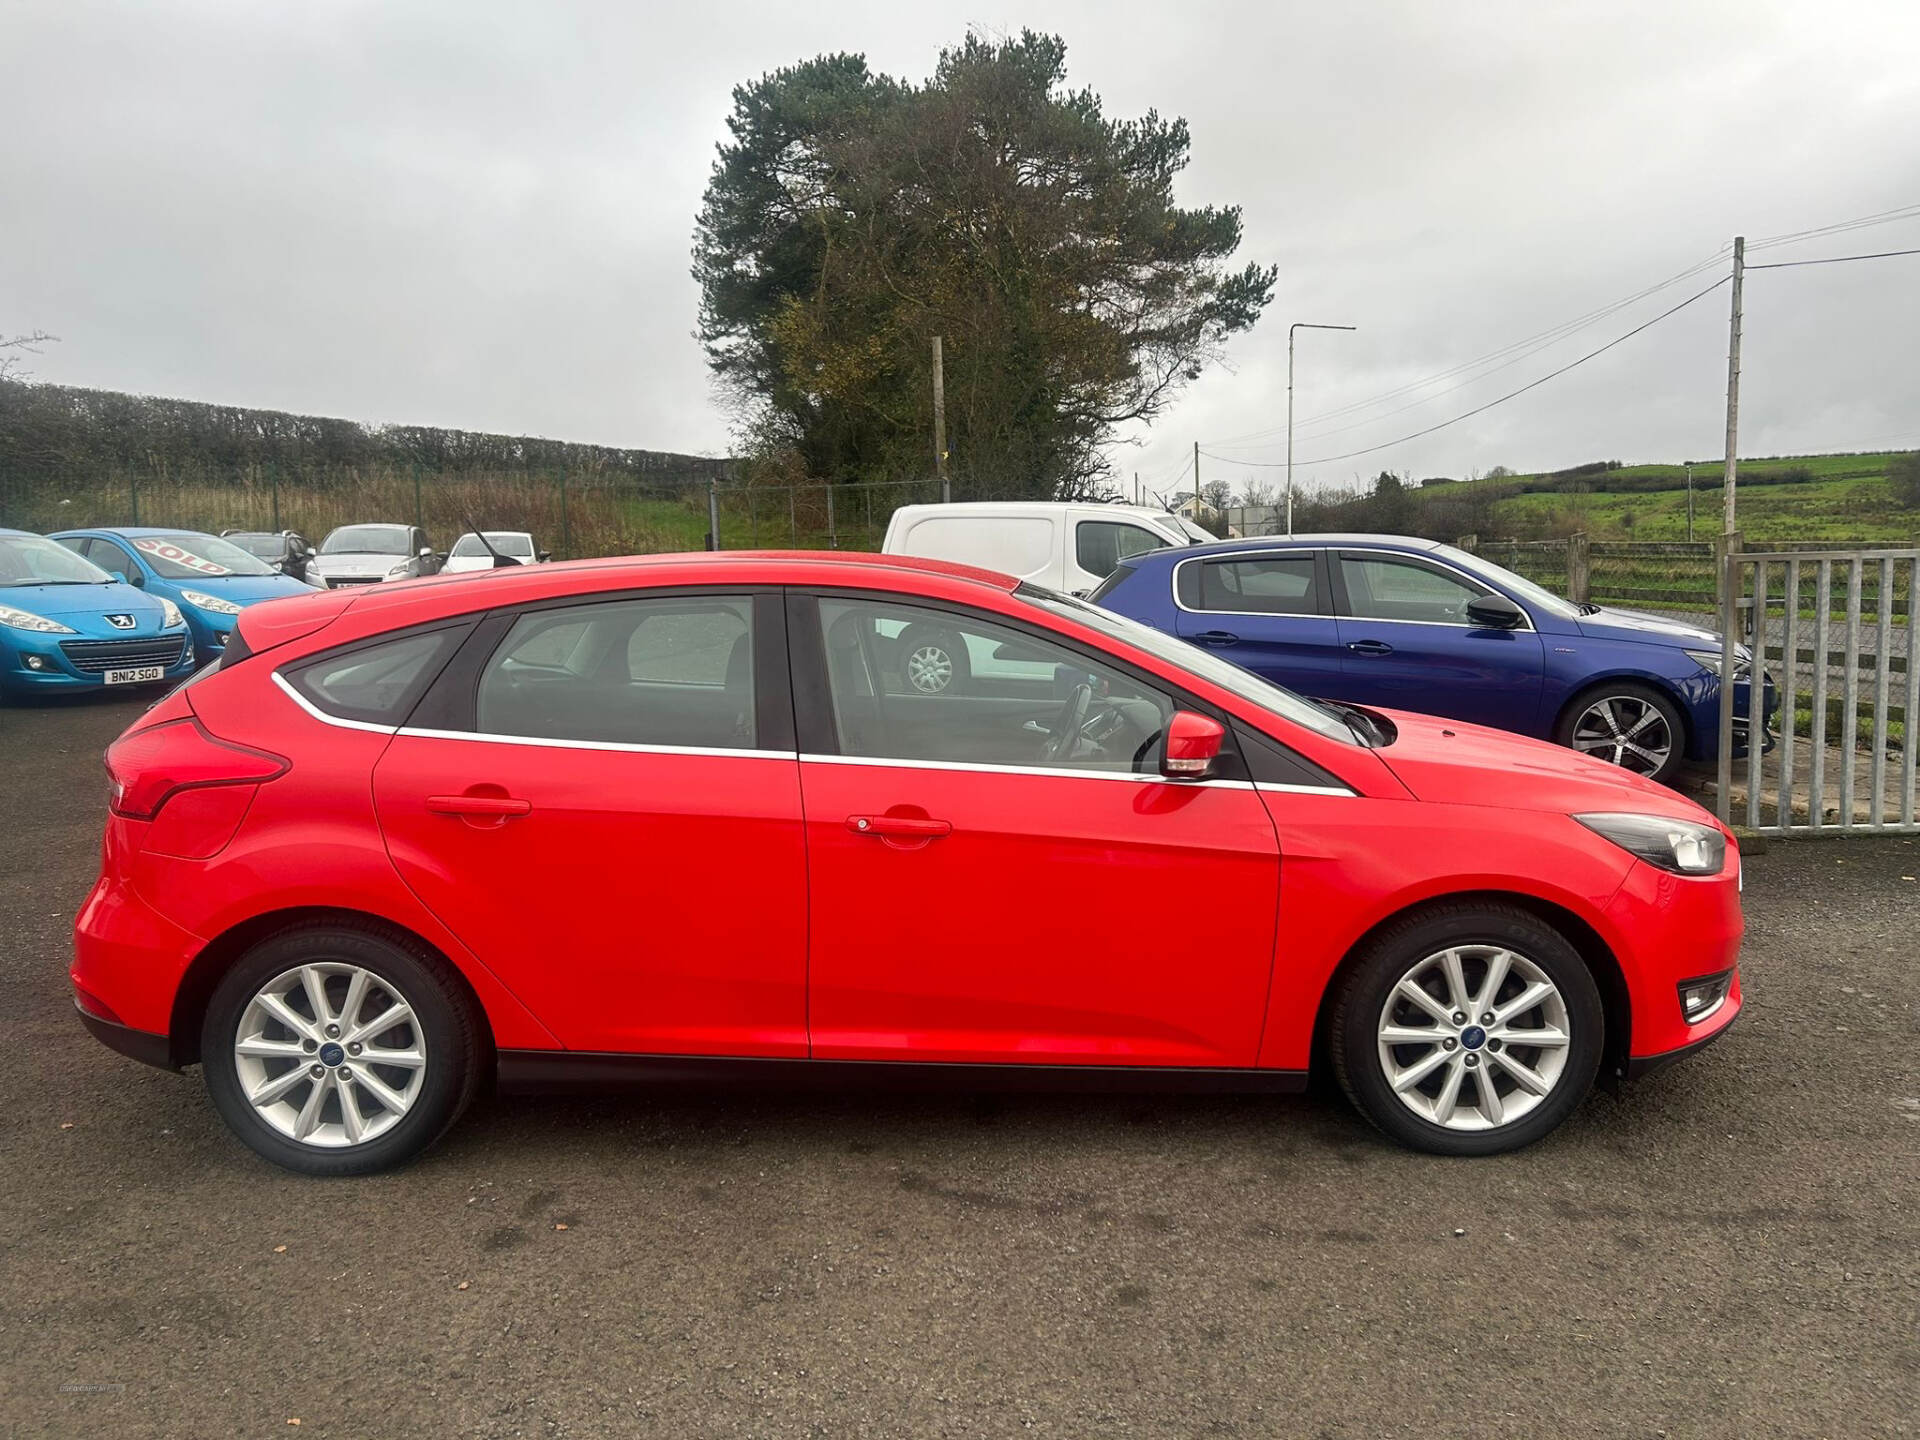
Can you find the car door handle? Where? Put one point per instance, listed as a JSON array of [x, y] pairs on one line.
[[1217, 637], [499, 807], [1369, 647], [899, 827]]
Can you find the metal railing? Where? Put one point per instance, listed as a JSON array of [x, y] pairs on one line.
[[1833, 631]]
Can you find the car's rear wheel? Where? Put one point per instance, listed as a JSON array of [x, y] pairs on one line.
[[336, 1051], [1632, 726], [1468, 1030]]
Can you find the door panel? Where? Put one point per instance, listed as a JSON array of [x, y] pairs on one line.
[[1267, 612]]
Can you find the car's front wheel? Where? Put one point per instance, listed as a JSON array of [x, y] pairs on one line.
[[1468, 1030], [1632, 726], [337, 1051]]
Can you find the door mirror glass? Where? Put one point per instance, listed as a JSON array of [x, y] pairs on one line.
[[1193, 744], [1495, 612], [426, 551]]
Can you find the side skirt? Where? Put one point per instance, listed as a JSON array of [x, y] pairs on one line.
[[549, 1072]]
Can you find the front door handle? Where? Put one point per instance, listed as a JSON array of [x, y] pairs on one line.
[[1369, 647], [497, 807], [1217, 637], [899, 827]]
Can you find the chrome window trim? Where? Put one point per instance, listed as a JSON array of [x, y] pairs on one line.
[[324, 718], [1217, 559]]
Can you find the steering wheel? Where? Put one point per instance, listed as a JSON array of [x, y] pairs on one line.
[[1066, 727]]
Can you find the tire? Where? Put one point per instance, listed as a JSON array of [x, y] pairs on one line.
[[1479, 1054], [933, 661], [432, 1093], [1582, 727]]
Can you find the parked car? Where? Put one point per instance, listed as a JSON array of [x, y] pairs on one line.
[[367, 554], [211, 580], [66, 624], [683, 815], [1063, 545], [469, 553], [287, 551], [1385, 620]]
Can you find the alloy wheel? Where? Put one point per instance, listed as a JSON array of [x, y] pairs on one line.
[[1625, 730], [1473, 1037], [929, 669], [330, 1054]]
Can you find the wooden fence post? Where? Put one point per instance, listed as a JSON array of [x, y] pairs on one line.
[[1579, 569]]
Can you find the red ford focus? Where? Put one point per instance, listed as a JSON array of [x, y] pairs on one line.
[[706, 814]]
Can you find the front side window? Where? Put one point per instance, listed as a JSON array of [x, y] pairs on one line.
[[187, 556], [1266, 585], [675, 671], [379, 683], [1011, 698], [1379, 588], [1100, 545]]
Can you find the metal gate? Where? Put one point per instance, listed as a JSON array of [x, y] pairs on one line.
[[1833, 631]]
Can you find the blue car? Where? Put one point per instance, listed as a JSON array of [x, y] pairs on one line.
[[1404, 624], [67, 625], [210, 579]]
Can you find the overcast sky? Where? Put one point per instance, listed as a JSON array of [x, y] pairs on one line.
[[478, 214]]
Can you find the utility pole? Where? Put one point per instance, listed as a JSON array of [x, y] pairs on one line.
[[940, 423], [1297, 325], [1196, 482], [1733, 388]]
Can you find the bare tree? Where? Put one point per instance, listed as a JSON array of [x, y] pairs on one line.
[[13, 347], [1218, 494]]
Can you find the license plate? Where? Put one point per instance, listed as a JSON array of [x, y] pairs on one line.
[[136, 676]]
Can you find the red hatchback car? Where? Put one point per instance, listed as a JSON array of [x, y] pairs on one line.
[[692, 814]]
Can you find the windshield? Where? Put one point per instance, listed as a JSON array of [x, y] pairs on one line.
[[1518, 585], [187, 556], [264, 547], [507, 542], [1194, 533], [1192, 658], [36, 560], [367, 540]]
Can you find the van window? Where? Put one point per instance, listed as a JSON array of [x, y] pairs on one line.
[[1100, 545], [1016, 545]]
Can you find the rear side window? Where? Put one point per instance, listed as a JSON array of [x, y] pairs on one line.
[[1099, 545], [1268, 585], [378, 683], [675, 671]]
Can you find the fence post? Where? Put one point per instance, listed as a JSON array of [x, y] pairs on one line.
[[793, 516], [713, 513], [566, 527], [1579, 570], [1728, 550], [419, 510], [273, 484], [833, 535], [133, 486]]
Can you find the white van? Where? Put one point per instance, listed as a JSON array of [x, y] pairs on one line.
[[1063, 545]]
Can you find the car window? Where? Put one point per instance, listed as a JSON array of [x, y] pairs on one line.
[[1099, 545], [377, 683], [913, 684], [187, 556], [676, 670], [1265, 585], [1380, 588]]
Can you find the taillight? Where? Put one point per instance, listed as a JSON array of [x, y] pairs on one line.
[[148, 765]]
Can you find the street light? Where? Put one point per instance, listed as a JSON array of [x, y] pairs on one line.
[[1297, 325]]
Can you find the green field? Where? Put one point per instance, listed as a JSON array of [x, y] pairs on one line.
[[1844, 498]]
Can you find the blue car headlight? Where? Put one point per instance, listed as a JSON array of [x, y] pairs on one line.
[[38, 624], [1709, 660], [212, 604]]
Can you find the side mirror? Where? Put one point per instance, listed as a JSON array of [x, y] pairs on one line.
[[1193, 744], [121, 576], [1495, 612], [280, 565], [543, 557], [425, 551]]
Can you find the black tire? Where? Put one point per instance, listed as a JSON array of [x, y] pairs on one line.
[[447, 1020], [915, 640], [1354, 1040], [1635, 694]]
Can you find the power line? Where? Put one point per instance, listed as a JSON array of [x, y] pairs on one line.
[[1481, 409], [1833, 260], [1863, 222]]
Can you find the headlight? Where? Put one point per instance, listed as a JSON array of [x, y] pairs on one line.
[[212, 604], [399, 572], [170, 615], [1682, 846], [39, 624], [1709, 660]]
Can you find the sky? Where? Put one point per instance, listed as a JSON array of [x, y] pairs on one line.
[[479, 214]]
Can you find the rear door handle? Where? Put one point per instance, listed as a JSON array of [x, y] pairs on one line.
[[1217, 637], [501, 807], [1369, 647], [899, 827]]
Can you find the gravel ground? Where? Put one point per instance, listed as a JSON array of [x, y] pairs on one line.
[[1729, 1248]]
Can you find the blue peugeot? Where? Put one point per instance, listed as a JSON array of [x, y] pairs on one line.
[[65, 624], [210, 579], [1406, 624]]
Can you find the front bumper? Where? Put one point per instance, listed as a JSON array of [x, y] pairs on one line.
[[32, 663], [1667, 930]]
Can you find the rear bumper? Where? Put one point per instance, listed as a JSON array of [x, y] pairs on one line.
[[141, 1045], [129, 957]]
